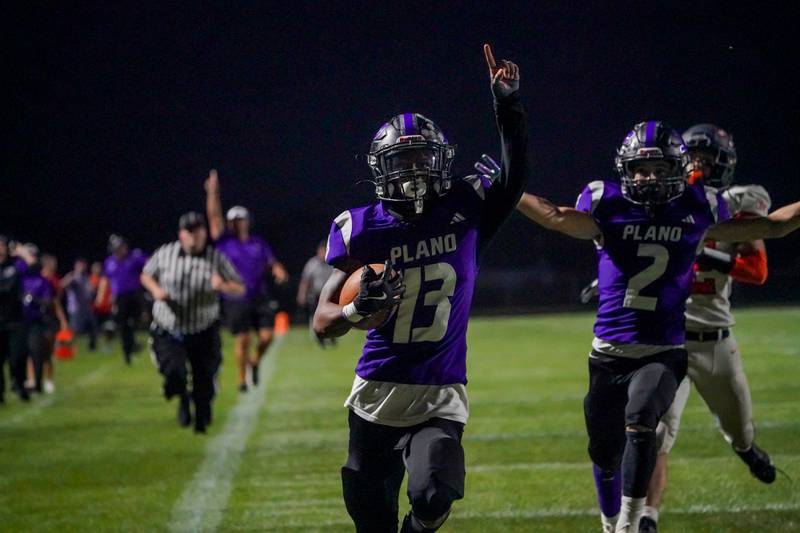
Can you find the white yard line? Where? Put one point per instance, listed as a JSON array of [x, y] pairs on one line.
[[202, 504], [40, 404], [563, 512], [678, 461], [556, 512]]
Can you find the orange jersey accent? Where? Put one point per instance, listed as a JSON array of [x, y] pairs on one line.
[[751, 268]]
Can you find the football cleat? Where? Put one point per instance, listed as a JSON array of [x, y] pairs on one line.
[[759, 462], [648, 525]]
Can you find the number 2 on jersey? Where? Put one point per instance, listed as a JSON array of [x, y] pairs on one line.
[[633, 299], [440, 298]]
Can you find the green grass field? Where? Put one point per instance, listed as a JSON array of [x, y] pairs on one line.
[[104, 452]]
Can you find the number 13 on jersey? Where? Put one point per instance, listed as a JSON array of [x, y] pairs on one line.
[[414, 279]]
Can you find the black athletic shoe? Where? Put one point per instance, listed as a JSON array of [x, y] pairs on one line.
[[22, 392], [759, 462], [648, 525], [242, 387], [184, 411], [254, 373]]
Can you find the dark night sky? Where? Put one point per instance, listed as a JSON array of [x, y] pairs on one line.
[[118, 111]]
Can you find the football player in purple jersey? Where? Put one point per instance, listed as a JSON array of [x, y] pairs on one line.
[[408, 403], [648, 229], [715, 364]]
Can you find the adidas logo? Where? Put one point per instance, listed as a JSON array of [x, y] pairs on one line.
[[458, 217], [689, 219]]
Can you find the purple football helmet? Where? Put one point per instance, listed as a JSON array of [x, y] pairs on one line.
[[410, 160], [718, 145], [652, 141]]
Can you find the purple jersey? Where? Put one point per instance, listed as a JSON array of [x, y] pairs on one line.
[[252, 259], [37, 297], [123, 274], [645, 262], [425, 340]]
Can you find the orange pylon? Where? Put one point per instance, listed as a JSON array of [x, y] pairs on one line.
[[281, 323]]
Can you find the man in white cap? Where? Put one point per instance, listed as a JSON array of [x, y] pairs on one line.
[[255, 261]]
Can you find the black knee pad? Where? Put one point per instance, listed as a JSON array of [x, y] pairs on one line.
[[435, 502], [434, 456], [434, 460], [605, 454], [367, 504]]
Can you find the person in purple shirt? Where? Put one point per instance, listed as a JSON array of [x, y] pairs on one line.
[[255, 262], [408, 404], [42, 314], [14, 262], [648, 229], [122, 269]]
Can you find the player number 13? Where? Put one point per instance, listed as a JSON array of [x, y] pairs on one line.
[[440, 298]]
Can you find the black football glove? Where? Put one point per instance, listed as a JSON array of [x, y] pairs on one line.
[[376, 293]]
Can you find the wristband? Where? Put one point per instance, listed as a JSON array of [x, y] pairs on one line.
[[351, 314]]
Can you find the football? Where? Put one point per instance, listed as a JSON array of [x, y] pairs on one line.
[[350, 291]]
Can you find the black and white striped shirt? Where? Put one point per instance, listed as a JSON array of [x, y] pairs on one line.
[[193, 305]]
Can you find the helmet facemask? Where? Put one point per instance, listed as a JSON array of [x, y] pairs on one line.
[[412, 172], [662, 186]]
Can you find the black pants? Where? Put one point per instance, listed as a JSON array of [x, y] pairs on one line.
[[203, 353], [127, 311], [40, 337], [13, 339], [627, 392], [85, 322], [378, 458]]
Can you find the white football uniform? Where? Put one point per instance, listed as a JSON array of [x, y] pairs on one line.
[[715, 365]]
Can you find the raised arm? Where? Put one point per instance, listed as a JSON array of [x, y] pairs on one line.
[[502, 196], [777, 224], [566, 220], [216, 222]]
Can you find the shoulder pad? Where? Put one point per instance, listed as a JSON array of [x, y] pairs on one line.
[[590, 197]]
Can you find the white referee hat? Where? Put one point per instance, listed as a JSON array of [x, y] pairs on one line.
[[237, 211]]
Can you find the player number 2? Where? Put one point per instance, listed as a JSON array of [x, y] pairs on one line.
[[660, 256], [413, 278]]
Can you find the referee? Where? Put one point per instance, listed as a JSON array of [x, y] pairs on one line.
[[185, 278]]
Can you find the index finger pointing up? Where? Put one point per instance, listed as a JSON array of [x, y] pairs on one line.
[[487, 51]]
